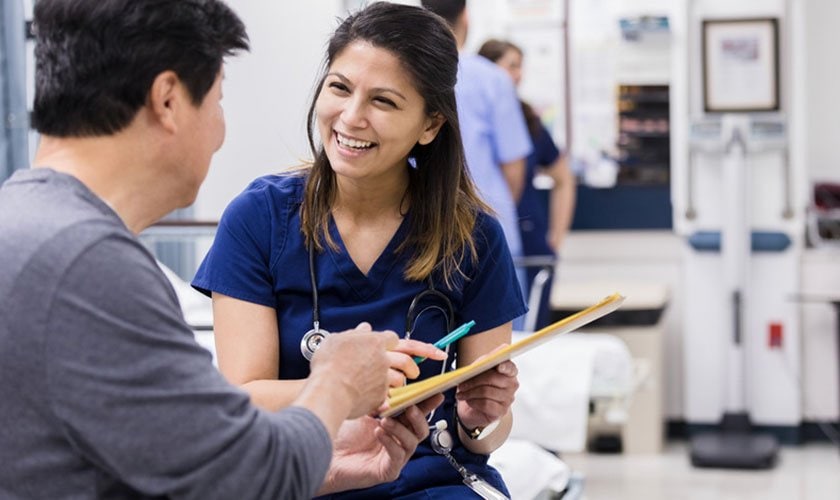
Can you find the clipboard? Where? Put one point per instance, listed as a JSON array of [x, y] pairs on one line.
[[400, 398]]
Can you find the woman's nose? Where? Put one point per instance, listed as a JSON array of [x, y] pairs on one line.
[[354, 113]]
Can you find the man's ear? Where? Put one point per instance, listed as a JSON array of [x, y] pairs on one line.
[[433, 125], [164, 99]]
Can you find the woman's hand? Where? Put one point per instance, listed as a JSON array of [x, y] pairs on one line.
[[368, 451], [402, 362], [487, 397]]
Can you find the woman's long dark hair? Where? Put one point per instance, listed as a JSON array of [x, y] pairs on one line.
[[444, 200]]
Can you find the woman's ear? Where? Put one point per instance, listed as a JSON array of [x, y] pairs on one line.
[[433, 125]]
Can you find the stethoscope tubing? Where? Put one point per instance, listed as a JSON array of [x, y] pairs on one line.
[[312, 339]]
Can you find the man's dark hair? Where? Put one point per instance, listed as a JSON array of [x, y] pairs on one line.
[[447, 9], [96, 59]]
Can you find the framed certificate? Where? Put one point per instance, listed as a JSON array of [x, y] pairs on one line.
[[740, 65]]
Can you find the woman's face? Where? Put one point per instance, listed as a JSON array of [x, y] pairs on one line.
[[511, 61], [369, 114]]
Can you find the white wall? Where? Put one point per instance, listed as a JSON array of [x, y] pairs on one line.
[[823, 89], [537, 28], [820, 267], [266, 95]]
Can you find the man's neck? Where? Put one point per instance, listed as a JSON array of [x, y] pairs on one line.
[[113, 169]]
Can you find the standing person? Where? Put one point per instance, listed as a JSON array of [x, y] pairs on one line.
[[542, 230], [385, 225], [105, 393], [495, 136]]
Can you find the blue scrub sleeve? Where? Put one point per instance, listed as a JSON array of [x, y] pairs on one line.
[[545, 150], [493, 296], [510, 133], [239, 262]]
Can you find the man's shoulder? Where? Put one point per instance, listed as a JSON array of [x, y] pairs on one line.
[[47, 255], [42, 202], [46, 221]]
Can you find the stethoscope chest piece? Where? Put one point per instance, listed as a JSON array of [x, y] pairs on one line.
[[311, 341], [440, 438]]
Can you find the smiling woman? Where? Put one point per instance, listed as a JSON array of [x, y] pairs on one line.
[[386, 212]]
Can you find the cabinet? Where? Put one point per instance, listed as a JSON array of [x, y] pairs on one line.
[[639, 323], [641, 197], [644, 135]]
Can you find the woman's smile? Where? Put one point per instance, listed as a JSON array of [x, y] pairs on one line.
[[352, 147]]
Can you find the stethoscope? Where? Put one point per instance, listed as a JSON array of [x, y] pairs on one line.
[[440, 438], [312, 339]]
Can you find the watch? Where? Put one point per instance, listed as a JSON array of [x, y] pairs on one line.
[[477, 433]]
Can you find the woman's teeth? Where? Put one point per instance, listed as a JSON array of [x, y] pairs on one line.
[[353, 143]]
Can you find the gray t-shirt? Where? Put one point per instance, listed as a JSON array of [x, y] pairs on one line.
[[104, 392]]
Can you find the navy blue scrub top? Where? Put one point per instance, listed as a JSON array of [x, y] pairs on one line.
[[534, 204], [259, 256]]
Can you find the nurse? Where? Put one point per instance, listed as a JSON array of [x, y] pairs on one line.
[[542, 226], [384, 226]]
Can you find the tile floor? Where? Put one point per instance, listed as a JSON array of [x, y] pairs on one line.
[[809, 472]]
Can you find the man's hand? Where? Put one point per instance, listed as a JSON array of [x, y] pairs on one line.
[[401, 358], [356, 362], [349, 376], [368, 452]]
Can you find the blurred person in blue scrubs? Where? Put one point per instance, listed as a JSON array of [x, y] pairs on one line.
[[543, 226], [496, 139], [384, 226]]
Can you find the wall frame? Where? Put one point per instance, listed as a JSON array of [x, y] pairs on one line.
[[740, 65]]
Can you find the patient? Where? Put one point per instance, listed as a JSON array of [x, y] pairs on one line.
[[104, 392], [384, 226]]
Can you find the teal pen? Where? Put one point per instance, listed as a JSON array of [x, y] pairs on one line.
[[451, 337]]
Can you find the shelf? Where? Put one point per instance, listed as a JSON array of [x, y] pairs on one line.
[[644, 164], [647, 135], [654, 97], [645, 113], [641, 198]]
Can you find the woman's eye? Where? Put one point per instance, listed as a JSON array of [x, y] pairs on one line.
[[339, 86], [386, 101]]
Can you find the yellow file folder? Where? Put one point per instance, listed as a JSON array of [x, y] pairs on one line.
[[400, 398]]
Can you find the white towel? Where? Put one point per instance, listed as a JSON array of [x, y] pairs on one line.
[[528, 470], [552, 404]]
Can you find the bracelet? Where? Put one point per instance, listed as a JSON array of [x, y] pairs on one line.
[[476, 433]]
